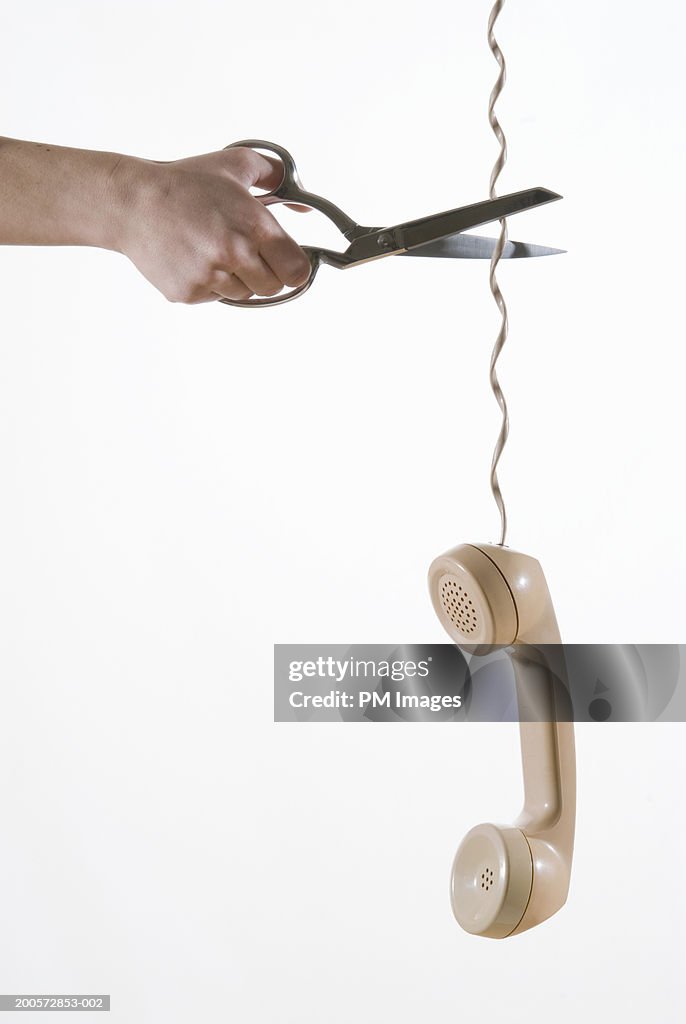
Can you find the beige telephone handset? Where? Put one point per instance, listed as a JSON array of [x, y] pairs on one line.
[[509, 878]]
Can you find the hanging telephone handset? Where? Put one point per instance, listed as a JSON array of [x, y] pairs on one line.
[[509, 878]]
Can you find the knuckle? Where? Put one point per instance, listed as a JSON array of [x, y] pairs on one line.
[[235, 253], [264, 228], [228, 257], [242, 158], [225, 255]]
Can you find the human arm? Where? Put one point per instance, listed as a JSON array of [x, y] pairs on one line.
[[190, 226]]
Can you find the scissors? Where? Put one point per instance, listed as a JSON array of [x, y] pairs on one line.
[[439, 235]]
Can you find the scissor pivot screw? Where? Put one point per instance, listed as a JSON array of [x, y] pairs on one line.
[[385, 241]]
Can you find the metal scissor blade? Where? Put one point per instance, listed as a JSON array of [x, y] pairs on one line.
[[414, 233], [430, 229], [477, 247]]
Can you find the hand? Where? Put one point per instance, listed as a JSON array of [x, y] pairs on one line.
[[197, 234]]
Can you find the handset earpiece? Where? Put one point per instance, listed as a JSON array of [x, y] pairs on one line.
[[507, 879]]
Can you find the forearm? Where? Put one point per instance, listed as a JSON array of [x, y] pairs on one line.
[[53, 195]]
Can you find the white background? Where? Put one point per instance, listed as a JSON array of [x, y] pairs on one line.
[[184, 486]]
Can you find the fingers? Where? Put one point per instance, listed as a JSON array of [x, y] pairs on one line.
[[229, 286], [254, 276], [279, 256], [253, 271], [260, 259], [264, 256], [285, 258]]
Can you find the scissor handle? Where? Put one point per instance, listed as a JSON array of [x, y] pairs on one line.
[[290, 190]]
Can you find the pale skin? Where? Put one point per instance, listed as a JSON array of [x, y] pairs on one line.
[[191, 226]]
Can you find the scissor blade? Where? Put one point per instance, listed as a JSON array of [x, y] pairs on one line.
[[430, 229], [477, 247], [410, 235]]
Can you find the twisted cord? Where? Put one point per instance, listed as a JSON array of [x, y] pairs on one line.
[[495, 259]]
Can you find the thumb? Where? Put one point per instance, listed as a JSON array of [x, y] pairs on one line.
[[261, 171], [256, 169]]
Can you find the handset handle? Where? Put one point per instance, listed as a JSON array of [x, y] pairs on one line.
[[548, 816]]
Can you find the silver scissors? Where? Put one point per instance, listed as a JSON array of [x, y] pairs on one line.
[[439, 235]]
